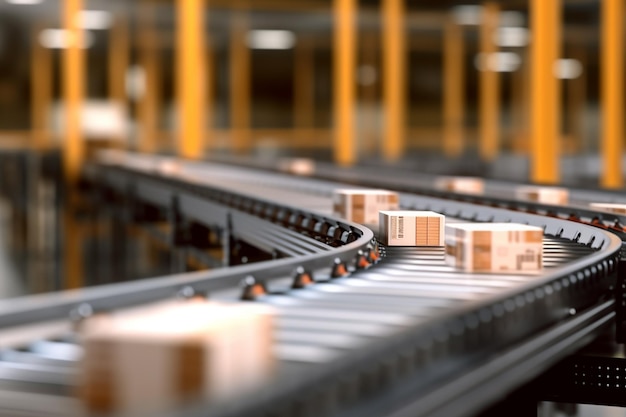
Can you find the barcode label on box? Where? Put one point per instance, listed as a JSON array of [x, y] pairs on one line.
[[528, 257], [401, 227]]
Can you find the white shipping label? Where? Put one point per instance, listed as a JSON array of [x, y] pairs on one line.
[[402, 230]]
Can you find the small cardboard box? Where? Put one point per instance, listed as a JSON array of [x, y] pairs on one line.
[[615, 208], [494, 247], [411, 228], [362, 206], [152, 359], [466, 185], [546, 195], [297, 166]]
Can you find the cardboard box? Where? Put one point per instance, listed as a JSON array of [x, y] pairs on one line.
[[411, 228], [297, 166], [494, 247], [615, 208], [465, 185], [157, 358], [546, 195], [362, 206]]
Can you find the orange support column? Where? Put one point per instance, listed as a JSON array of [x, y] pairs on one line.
[[149, 60], [190, 77], [344, 48], [73, 72], [119, 50], [303, 87], [41, 90], [394, 63], [489, 86], [544, 100], [240, 82], [209, 93], [453, 98], [612, 93]]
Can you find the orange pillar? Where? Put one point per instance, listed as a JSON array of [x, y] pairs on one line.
[[190, 77], [41, 90], [73, 71], [344, 149], [489, 86], [545, 100], [149, 60], [453, 98], [209, 92], [394, 63], [612, 93], [303, 87], [119, 50], [240, 82]]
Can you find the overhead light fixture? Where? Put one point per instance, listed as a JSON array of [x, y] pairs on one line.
[[135, 82], [472, 15], [94, 19], [511, 37], [271, 39], [498, 62], [367, 75], [511, 19], [568, 69], [26, 2], [468, 14], [61, 38]]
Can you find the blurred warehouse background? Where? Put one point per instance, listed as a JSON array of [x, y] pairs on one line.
[[352, 81], [528, 91]]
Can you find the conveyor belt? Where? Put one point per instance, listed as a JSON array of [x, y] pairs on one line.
[[398, 338]]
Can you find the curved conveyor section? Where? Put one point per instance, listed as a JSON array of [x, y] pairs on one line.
[[406, 336]]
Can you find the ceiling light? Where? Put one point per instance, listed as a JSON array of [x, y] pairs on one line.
[[94, 19], [498, 62], [367, 75], [568, 69], [24, 1], [511, 37], [61, 38], [512, 19], [271, 39], [135, 82], [468, 15]]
